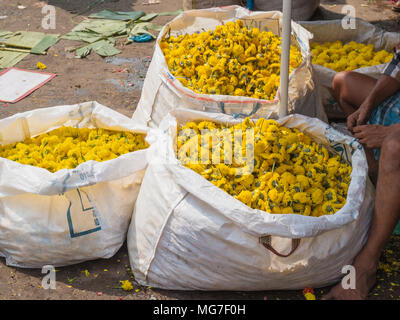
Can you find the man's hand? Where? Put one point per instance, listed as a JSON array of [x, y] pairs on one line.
[[371, 135], [360, 116]]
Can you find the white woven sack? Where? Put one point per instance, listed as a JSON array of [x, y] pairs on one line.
[[162, 92], [187, 234], [365, 32], [72, 215]]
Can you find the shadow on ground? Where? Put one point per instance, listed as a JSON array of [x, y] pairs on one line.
[[90, 6], [391, 23]]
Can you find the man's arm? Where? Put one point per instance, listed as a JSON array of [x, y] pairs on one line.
[[387, 85], [372, 136]]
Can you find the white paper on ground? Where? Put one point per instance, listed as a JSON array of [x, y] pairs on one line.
[[16, 84]]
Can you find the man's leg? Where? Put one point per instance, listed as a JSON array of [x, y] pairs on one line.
[[350, 89], [386, 216], [373, 165]]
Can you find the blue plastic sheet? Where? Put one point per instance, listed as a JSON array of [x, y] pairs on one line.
[[141, 38]]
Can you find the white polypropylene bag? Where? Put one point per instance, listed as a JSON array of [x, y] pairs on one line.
[[187, 234], [162, 92], [364, 32], [72, 215], [301, 9]]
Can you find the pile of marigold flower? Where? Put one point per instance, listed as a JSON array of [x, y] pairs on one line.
[[230, 60], [67, 147], [353, 55], [290, 173]]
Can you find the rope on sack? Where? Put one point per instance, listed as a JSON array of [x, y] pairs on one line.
[[266, 242], [255, 109]]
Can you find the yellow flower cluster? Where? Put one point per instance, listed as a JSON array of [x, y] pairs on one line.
[[290, 172], [230, 60], [67, 147], [353, 55], [126, 285]]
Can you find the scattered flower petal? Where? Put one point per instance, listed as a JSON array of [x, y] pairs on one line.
[[41, 66], [126, 285]]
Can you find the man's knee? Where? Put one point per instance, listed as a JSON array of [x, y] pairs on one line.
[[390, 153], [339, 82]]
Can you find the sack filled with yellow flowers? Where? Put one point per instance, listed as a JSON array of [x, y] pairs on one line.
[[347, 44], [266, 205], [69, 178], [226, 60]]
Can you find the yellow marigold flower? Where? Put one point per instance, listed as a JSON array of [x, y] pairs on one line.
[[317, 196], [288, 177], [126, 285], [66, 147], [292, 174], [328, 207], [41, 66], [287, 210], [298, 170], [350, 56], [245, 197], [273, 195], [307, 210], [309, 296], [303, 181], [229, 60], [301, 197]]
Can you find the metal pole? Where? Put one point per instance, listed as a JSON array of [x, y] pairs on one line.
[[285, 54]]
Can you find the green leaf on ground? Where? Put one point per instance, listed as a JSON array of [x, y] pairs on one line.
[[10, 58], [118, 15], [44, 44], [104, 49]]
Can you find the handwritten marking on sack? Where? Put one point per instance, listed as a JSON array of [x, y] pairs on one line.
[[170, 76], [84, 175], [344, 150], [81, 214], [354, 144], [49, 280]]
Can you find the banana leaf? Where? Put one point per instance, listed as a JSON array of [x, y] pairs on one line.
[[118, 15]]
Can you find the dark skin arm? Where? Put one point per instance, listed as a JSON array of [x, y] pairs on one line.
[[372, 136], [385, 87]]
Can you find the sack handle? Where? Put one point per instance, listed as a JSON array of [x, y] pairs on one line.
[[266, 242], [255, 109]]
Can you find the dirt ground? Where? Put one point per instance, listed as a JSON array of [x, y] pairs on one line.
[[95, 78]]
